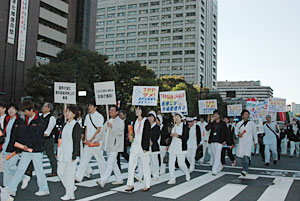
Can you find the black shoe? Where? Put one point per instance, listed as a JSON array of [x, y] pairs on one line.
[[291, 156], [267, 164], [129, 190], [275, 162], [52, 175]]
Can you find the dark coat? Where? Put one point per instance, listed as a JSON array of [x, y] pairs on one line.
[[155, 133], [164, 134], [230, 135], [76, 136], [220, 129], [146, 136], [184, 137]]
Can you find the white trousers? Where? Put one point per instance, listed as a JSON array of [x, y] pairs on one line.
[[207, 150], [1, 162], [88, 170], [284, 143], [88, 153], [268, 149], [111, 165], [10, 167], [66, 173], [163, 152], [216, 149], [133, 159], [294, 145], [181, 164], [154, 164], [191, 153]]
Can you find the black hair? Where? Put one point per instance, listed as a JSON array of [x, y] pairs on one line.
[[217, 111], [116, 107], [80, 109], [12, 105], [92, 102], [74, 110], [3, 105], [152, 116], [123, 111], [244, 111], [144, 112], [225, 117], [27, 105]]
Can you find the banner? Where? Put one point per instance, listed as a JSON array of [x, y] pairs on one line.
[[173, 101], [145, 95], [277, 105], [12, 21], [207, 106], [234, 110], [22, 30], [65, 92], [257, 109], [259, 126], [105, 93]]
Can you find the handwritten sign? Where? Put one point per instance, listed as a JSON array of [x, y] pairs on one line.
[[277, 105], [145, 95], [65, 92], [234, 110], [207, 106], [173, 101], [105, 93]]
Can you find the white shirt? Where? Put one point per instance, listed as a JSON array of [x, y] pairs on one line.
[[270, 137], [136, 145], [98, 121], [176, 144], [80, 122], [65, 151], [51, 125], [2, 118], [192, 141], [204, 132]]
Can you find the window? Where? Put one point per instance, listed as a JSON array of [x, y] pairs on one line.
[[177, 23], [189, 44], [100, 10], [190, 37], [132, 20], [165, 68], [164, 46], [190, 14], [99, 43], [100, 16], [131, 41], [190, 21], [131, 48], [178, 1], [120, 56], [178, 15], [132, 13], [130, 34], [177, 53], [176, 67], [141, 54], [177, 37], [156, 10], [100, 37], [121, 35], [120, 49], [132, 6], [189, 68], [154, 25], [110, 9], [164, 61], [164, 31], [189, 7], [153, 61], [131, 27], [179, 60], [166, 17], [122, 7], [176, 30], [101, 50], [156, 3], [166, 38], [153, 47], [189, 59], [142, 19], [166, 2], [110, 43], [168, 9], [132, 55], [143, 12], [165, 24], [153, 32], [177, 45], [110, 22], [100, 23], [121, 28], [122, 14], [142, 40], [189, 75], [111, 15], [176, 8], [109, 49], [153, 54], [165, 54], [143, 5], [142, 33], [99, 30], [119, 42], [155, 39], [142, 47], [122, 21], [190, 29], [156, 17], [189, 52], [142, 26], [110, 35]]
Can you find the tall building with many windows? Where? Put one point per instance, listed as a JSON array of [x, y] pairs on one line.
[[173, 37]]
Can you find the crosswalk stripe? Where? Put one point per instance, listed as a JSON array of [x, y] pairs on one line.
[[278, 191], [186, 187], [140, 185], [226, 193], [92, 183], [94, 197]]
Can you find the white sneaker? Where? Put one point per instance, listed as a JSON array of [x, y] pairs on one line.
[[214, 174], [100, 183], [138, 178], [188, 177], [40, 193], [9, 192], [117, 182], [67, 198], [25, 182], [75, 188], [171, 182]]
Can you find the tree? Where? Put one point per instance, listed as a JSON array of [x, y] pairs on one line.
[[72, 64]]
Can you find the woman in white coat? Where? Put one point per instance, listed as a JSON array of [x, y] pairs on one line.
[[68, 153], [246, 132], [140, 149], [178, 148]]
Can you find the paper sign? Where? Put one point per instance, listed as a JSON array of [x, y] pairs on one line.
[[173, 101], [145, 95], [276, 105], [259, 126], [207, 106], [65, 92], [105, 93], [234, 110]]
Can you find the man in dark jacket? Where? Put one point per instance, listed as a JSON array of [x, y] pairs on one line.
[[125, 154], [217, 139], [32, 144], [229, 143], [294, 138]]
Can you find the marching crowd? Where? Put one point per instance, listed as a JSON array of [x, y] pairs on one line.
[[148, 144]]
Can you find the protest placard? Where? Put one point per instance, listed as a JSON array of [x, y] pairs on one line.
[[145, 95], [65, 92], [105, 93], [207, 106], [173, 101], [234, 110]]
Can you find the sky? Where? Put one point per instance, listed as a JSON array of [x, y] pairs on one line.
[[260, 40]]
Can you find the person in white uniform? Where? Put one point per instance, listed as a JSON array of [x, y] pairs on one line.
[[204, 140], [140, 149], [68, 153], [112, 136], [93, 124], [178, 148], [193, 142], [294, 138], [246, 132], [271, 131]]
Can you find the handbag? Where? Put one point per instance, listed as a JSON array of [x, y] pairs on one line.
[[166, 158], [168, 141], [199, 153]]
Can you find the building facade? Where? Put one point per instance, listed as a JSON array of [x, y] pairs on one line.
[[244, 89], [172, 37], [34, 31]]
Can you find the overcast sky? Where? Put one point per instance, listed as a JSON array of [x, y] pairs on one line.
[[260, 40]]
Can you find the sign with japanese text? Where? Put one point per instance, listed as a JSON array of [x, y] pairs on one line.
[[173, 101], [65, 92], [234, 110], [207, 106], [145, 95], [12, 22], [105, 93], [22, 30]]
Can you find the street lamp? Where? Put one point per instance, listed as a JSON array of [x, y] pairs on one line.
[[201, 85]]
